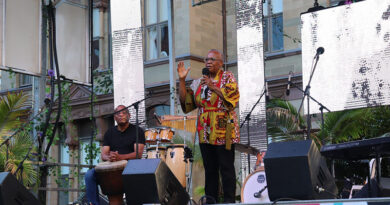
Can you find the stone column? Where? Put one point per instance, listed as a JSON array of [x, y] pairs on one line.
[[101, 128], [71, 135]]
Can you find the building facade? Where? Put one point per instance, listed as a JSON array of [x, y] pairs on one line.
[[197, 29]]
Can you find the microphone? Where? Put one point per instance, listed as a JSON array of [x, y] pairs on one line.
[[206, 71], [320, 51], [289, 83], [205, 89], [258, 194], [158, 119]]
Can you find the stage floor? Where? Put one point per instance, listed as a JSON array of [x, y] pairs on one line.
[[362, 201]]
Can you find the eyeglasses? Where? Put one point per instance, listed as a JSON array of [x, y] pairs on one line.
[[123, 112], [211, 59]]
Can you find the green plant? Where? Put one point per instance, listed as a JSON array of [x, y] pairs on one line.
[[104, 83], [11, 110], [282, 121], [348, 125], [199, 191]]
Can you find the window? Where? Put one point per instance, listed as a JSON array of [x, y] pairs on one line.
[[25, 80], [63, 196], [96, 37], [64, 157], [334, 2], [84, 142], [101, 40], [84, 133], [156, 29], [159, 110], [273, 25], [338, 2]]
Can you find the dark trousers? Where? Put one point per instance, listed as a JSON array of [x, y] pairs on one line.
[[216, 159]]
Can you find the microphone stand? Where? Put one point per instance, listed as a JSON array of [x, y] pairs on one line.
[[247, 120], [258, 194], [20, 166], [322, 107], [306, 93], [136, 107]]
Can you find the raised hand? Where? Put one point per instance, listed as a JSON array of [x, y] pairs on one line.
[[182, 71]]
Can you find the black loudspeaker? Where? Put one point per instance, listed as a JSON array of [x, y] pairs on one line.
[[151, 181], [14, 193], [297, 170]]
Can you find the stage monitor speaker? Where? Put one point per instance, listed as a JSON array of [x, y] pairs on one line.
[[151, 181], [297, 170], [14, 193]]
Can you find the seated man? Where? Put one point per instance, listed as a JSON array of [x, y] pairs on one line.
[[119, 144]]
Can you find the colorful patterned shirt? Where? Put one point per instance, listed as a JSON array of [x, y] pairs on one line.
[[217, 121]]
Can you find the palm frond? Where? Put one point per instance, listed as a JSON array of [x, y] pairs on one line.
[[12, 108], [344, 125], [18, 148], [10, 111], [282, 121]]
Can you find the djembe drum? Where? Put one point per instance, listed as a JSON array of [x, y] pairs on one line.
[[109, 176]]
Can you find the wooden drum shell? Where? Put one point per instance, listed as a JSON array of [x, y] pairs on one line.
[[110, 179], [175, 161]]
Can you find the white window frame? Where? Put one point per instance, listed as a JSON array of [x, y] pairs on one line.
[[268, 19], [158, 26]]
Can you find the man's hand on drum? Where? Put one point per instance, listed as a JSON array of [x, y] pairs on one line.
[[114, 156]]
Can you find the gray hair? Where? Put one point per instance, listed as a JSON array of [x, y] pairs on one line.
[[218, 52]]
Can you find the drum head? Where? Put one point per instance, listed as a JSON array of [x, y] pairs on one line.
[[161, 127], [176, 145], [154, 148], [253, 184], [110, 166]]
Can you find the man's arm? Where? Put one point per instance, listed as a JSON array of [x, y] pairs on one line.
[[133, 154], [105, 153]]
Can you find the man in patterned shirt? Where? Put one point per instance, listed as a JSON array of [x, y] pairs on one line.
[[215, 95]]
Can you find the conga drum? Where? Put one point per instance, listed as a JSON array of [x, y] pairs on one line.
[[151, 135], [176, 163], [153, 152], [166, 134], [109, 176]]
